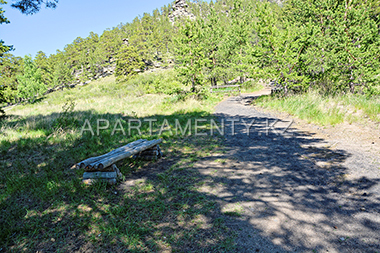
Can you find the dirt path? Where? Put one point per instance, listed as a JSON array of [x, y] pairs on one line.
[[296, 190]]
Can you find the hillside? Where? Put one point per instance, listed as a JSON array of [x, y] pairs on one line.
[[297, 46]]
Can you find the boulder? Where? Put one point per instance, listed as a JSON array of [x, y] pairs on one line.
[[180, 10]]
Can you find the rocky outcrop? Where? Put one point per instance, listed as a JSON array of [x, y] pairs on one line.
[[101, 71], [126, 41], [278, 2], [180, 11], [106, 71]]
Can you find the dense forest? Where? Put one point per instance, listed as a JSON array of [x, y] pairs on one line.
[[329, 45]]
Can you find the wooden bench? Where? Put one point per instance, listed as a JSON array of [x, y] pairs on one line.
[[236, 88], [103, 167]]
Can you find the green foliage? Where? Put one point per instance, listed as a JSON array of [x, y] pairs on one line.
[[277, 53], [333, 46], [128, 63], [30, 7], [234, 50], [4, 48], [10, 67], [62, 73], [30, 84], [162, 82], [7, 92], [42, 62], [212, 43], [84, 58], [3, 19], [66, 119], [190, 55]]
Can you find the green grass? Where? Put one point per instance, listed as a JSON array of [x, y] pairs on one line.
[[161, 81], [251, 86], [45, 206], [247, 87], [233, 214], [325, 110]]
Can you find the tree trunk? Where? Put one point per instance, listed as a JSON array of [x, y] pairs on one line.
[[88, 161]]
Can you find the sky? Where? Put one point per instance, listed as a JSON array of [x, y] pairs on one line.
[[52, 29]]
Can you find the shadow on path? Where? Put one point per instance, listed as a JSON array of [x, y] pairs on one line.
[[290, 188]]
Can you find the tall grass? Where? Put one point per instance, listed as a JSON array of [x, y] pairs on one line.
[[326, 110], [159, 82]]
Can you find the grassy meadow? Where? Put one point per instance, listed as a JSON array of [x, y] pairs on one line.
[[45, 207]]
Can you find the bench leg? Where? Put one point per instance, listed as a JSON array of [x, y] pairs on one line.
[[153, 153], [90, 178]]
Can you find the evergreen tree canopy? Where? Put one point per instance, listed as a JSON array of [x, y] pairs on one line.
[[190, 54], [30, 84], [128, 63], [33, 6]]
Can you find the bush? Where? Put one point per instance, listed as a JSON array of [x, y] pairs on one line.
[[66, 119], [162, 82]]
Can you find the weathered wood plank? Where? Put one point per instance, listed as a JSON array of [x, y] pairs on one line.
[[91, 181], [88, 161], [99, 174], [108, 161]]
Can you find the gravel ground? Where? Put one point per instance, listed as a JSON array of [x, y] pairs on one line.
[[293, 190]]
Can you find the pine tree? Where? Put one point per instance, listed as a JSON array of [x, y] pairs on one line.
[[128, 63], [62, 74], [139, 38], [212, 44], [10, 67], [42, 62], [235, 42], [30, 83], [342, 53], [109, 44], [3, 19], [190, 54], [279, 48]]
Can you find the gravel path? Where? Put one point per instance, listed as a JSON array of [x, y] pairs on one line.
[[293, 190]]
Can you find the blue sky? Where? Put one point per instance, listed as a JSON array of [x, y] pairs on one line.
[[52, 29]]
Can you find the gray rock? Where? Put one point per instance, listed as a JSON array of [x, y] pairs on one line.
[[180, 10], [126, 41]]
